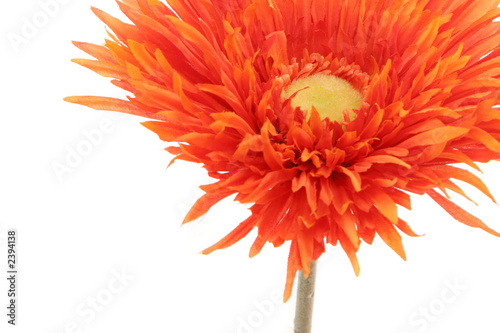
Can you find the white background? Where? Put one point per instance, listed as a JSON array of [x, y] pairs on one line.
[[119, 211]]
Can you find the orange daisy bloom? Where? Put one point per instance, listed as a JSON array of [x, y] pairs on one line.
[[323, 114]]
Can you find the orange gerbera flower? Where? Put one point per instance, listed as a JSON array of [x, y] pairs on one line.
[[401, 91]]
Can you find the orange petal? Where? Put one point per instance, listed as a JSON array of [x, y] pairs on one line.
[[350, 250], [122, 30], [404, 227], [166, 131], [434, 136], [292, 268], [384, 159], [347, 222], [485, 138], [305, 243], [353, 176], [234, 236], [384, 203], [111, 104], [391, 237], [202, 205], [104, 68], [463, 175], [97, 51], [459, 214]]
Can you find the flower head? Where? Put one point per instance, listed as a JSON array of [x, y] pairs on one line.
[[323, 114]]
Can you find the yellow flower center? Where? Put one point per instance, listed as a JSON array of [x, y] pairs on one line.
[[330, 96]]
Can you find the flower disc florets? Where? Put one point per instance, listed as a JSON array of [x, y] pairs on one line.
[[328, 94]]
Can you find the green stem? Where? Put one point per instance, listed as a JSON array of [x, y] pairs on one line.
[[305, 301]]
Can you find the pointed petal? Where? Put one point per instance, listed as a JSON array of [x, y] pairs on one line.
[[391, 237], [459, 214]]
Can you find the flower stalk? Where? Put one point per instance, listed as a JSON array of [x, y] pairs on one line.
[[305, 301]]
